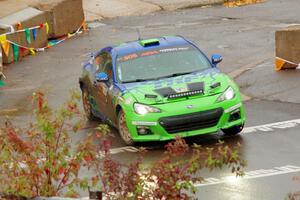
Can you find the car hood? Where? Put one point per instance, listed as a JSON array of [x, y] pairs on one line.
[[210, 81]]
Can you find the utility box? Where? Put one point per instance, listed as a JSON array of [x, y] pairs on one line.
[[287, 48]]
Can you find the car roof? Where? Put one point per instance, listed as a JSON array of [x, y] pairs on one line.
[[135, 46]]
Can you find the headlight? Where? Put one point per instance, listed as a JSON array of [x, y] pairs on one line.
[[227, 95], [144, 109]]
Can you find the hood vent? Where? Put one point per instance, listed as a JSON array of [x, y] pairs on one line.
[[193, 89], [196, 86], [165, 92]]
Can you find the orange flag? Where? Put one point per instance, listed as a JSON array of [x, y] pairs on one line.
[[19, 26], [84, 28]]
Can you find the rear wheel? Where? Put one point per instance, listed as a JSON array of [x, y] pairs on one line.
[[233, 130], [86, 104], [123, 129]]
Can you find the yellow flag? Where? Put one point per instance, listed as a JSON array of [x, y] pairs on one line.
[[32, 52], [47, 27], [2, 39], [70, 35], [6, 47]]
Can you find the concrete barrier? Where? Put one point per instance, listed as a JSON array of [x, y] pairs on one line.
[[28, 17], [63, 16], [287, 48]]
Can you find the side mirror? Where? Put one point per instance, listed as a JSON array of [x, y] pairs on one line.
[[216, 58], [101, 77]]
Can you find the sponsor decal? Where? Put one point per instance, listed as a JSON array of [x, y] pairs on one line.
[[181, 89], [174, 49], [129, 57], [149, 53]]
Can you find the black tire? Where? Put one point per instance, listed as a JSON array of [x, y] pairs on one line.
[[87, 105], [232, 131], [123, 129]]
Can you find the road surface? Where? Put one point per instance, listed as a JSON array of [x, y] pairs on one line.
[[245, 38]]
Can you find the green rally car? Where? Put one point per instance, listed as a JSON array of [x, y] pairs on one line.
[[156, 89]]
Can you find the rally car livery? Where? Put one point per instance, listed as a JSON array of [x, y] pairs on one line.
[[155, 89]]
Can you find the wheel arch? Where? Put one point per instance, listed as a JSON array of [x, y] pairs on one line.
[[118, 109], [81, 84]]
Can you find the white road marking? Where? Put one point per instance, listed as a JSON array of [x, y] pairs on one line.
[[272, 126], [253, 129], [250, 175]]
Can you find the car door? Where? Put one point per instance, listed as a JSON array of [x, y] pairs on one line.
[[109, 106], [102, 90]]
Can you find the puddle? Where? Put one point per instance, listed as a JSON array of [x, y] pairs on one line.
[[237, 3]]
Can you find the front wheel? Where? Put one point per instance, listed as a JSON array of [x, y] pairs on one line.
[[232, 131], [123, 129]]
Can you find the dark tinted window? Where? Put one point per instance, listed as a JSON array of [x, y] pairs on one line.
[[103, 63]]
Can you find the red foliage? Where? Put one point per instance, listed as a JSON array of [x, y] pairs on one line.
[[167, 178], [37, 160], [13, 138]]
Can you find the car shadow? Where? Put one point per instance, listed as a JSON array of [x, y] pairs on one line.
[[207, 140]]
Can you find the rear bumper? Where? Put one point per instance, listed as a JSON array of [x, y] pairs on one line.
[[176, 119]]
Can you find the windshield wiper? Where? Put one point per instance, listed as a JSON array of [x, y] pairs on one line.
[[168, 76], [175, 74]]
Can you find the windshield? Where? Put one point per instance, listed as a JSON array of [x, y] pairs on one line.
[[160, 63]]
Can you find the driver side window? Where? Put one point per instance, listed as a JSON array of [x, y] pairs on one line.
[[103, 63]]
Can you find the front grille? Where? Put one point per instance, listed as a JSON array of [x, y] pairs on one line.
[[191, 122]]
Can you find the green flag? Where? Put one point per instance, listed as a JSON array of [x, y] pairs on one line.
[[16, 52], [27, 34], [2, 83]]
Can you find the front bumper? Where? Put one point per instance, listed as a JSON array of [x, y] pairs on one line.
[[186, 118]]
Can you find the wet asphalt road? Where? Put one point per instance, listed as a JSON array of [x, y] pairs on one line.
[[244, 36]]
